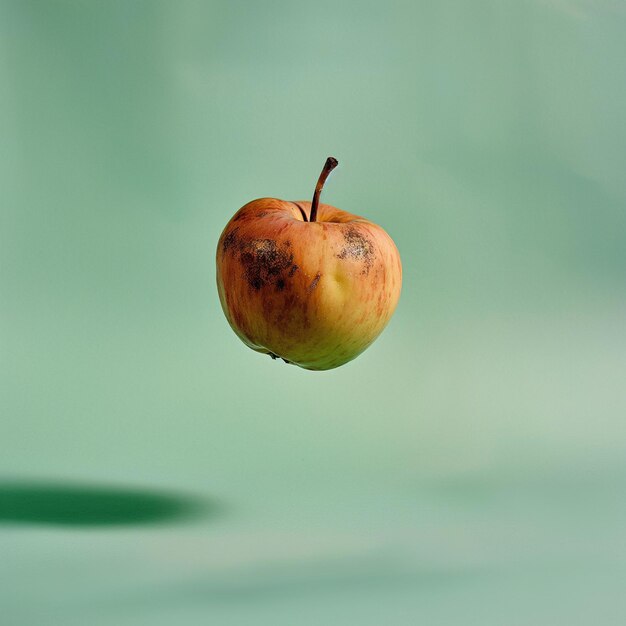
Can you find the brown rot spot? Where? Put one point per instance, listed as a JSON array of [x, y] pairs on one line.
[[230, 239], [314, 282], [358, 247], [293, 269], [264, 262]]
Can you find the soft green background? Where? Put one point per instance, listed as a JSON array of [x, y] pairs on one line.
[[469, 468]]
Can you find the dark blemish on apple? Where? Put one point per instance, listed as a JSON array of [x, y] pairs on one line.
[[314, 282], [261, 214], [230, 239], [280, 284], [293, 269], [264, 262], [358, 247]]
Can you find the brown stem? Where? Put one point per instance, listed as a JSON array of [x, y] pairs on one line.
[[329, 166]]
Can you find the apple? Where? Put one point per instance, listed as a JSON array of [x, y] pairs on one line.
[[305, 281]]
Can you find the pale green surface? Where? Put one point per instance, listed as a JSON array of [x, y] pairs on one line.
[[470, 467]]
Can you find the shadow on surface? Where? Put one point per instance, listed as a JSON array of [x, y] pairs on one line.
[[69, 504]]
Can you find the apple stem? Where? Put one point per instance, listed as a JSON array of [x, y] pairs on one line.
[[329, 166]]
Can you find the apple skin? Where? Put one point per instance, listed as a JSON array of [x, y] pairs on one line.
[[315, 294]]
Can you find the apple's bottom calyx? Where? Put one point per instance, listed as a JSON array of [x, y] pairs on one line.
[[275, 356]]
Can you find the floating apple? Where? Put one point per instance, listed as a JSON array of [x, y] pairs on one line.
[[305, 281]]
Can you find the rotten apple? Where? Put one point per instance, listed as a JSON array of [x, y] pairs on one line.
[[305, 281]]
